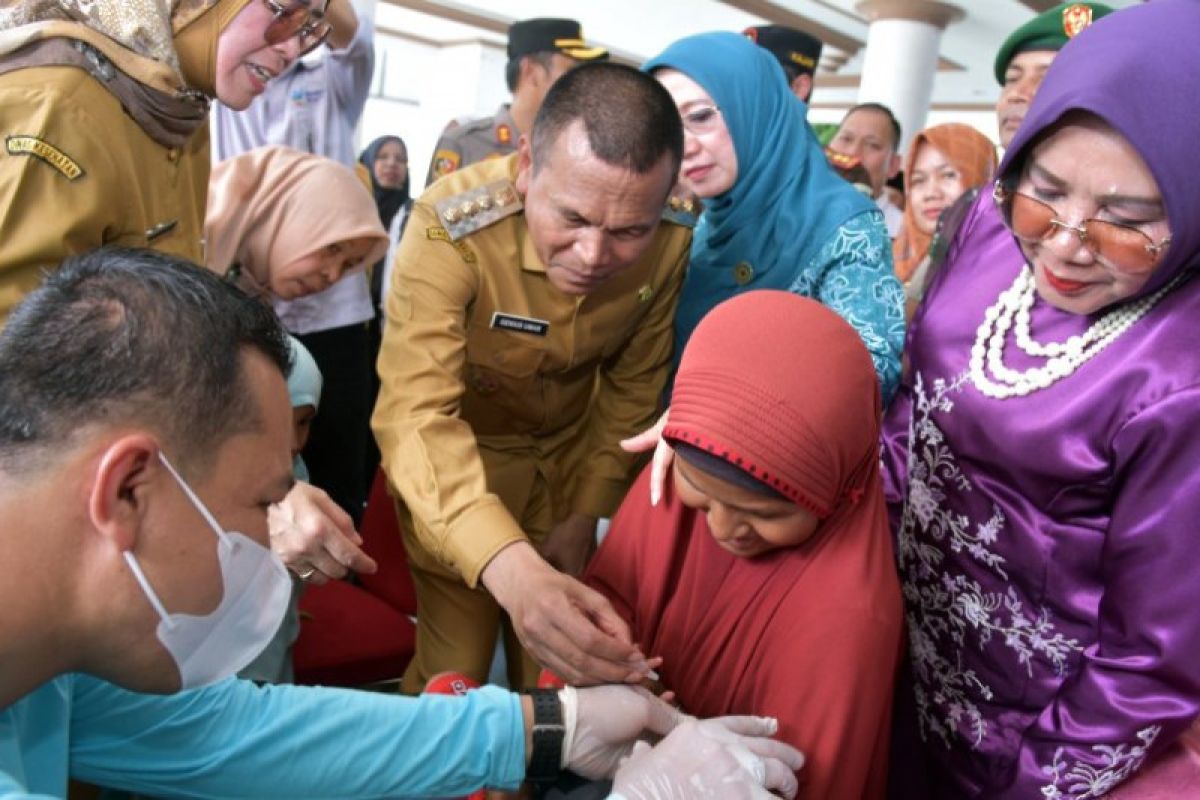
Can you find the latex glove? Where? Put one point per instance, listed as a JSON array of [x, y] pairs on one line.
[[729, 758], [570, 628], [570, 544], [663, 454], [603, 722], [314, 537]]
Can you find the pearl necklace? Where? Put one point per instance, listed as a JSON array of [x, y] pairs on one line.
[[1012, 310]]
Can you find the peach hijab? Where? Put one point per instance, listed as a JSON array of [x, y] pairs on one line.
[[269, 206], [971, 153]]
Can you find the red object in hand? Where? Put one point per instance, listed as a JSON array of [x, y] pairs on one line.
[[548, 680], [457, 684], [450, 683]]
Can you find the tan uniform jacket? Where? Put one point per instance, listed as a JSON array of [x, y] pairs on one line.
[[474, 141], [77, 172], [470, 411]]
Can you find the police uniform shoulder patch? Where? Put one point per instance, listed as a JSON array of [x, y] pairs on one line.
[[43, 150], [682, 210], [439, 234], [475, 209], [445, 162]]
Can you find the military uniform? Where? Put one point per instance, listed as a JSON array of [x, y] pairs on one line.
[[66, 189], [472, 142], [503, 399]]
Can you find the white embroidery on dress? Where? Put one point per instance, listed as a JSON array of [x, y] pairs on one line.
[[943, 606], [1085, 781]]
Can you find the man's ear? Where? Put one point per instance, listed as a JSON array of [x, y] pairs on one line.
[[894, 164], [117, 501], [529, 71], [524, 164], [802, 86]]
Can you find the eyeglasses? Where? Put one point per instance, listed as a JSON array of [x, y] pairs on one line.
[[296, 19], [1124, 246], [702, 120]]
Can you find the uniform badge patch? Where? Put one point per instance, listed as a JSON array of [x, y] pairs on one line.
[[682, 211], [440, 234], [519, 324], [1075, 18], [475, 209], [41, 149], [445, 162]]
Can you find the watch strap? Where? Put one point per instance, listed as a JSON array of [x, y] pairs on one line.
[[545, 761]]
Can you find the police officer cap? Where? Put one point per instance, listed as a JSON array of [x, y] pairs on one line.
[[550, 35], [793, 48], [1049, 30]]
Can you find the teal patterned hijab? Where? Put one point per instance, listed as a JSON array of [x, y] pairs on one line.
[[786, 202]]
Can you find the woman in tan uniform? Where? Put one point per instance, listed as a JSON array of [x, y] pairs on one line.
[[103, 111]]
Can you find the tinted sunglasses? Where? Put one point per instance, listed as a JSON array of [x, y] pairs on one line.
[[299, 20], [1123, 246]]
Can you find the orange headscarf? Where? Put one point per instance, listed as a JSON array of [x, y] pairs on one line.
[[272, 205], [971, 153]]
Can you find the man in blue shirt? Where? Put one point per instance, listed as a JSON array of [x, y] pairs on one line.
[[144, 433]]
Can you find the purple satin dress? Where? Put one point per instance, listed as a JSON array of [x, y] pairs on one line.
[[1047, 543]]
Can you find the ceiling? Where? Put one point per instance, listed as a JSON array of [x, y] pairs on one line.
[[637, 29]]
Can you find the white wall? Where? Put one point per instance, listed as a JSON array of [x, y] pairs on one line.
[[419, 86]]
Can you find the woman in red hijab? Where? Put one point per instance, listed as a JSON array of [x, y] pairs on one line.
[[765, 577]]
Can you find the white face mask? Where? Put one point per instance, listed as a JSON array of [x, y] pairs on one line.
[[214, 646]]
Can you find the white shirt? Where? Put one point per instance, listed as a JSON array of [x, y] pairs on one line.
[[892, 216]]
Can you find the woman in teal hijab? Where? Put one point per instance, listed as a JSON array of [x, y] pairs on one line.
[[776, 215]]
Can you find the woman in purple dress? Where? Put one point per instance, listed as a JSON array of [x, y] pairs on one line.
[[1043, 455]]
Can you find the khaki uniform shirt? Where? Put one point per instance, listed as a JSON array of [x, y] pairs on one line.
[[76, 172], [472, 142], [490, 376]]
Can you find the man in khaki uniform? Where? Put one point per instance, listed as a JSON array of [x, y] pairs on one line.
[[539, 52], [528, 331]]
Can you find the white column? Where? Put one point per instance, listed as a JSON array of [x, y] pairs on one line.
[[902, 56]]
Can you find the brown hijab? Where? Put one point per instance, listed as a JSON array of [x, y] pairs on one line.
[[269, 206], [971, 153]]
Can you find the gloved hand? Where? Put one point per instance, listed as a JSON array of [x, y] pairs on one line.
[[603, 722], [729, 758]]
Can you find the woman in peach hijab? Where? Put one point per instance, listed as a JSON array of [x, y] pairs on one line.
[[943, 163], [284, 223]]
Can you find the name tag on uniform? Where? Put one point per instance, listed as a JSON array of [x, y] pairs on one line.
[[518, 324]]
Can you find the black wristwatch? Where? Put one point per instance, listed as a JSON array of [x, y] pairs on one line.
[[545, 763]]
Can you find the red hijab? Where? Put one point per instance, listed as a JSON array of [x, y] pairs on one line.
[[782, 387]]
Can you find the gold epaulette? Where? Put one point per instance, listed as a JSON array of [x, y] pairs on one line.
[[475, 209], [682, 210]]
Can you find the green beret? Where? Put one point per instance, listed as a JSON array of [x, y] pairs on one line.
[[1049, 30]]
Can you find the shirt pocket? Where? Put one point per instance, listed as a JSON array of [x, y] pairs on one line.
[[504, 392]]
